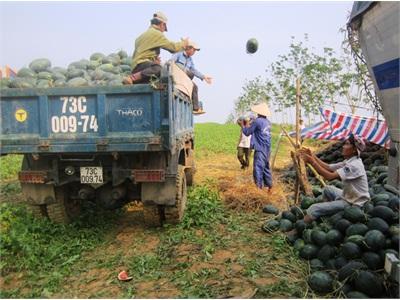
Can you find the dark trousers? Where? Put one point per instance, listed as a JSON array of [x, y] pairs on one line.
[[261, 171], [243, 155], [195, 92], [148, 69]]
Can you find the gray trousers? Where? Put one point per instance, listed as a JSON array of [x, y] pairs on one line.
[[331, 206]]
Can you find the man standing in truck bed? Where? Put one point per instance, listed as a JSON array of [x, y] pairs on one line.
[[145, 59]]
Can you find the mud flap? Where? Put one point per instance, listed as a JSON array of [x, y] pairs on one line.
[[38, 194], [160, 193]]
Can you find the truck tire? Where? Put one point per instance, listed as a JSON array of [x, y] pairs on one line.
[[64, 210], [174, 214], [152, 215]]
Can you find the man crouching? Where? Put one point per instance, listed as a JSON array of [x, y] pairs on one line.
[[351, 172]]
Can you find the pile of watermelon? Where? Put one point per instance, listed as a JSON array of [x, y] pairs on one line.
[[98, 70], [346, 251]]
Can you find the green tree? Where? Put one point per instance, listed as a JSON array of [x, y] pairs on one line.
[[325, 77]]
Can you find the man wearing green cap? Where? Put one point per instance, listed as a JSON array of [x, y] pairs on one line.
[[145, 59]]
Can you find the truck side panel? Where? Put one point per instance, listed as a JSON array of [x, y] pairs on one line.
[[84, 120]]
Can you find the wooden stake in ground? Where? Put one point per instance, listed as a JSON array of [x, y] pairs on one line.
[[276, 151], [300, 170]]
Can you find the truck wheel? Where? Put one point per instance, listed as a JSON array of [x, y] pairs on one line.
[[152, 215], [64, 210], [38, 211], [174, 214]]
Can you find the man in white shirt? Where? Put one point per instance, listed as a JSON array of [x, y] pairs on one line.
[[243, 148], [351, 172]]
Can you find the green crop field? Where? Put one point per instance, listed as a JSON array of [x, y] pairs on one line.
[[223, 138]]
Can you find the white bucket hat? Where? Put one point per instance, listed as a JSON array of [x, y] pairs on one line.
[[261, 109], [193, 45]]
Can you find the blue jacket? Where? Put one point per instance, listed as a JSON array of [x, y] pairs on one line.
[[260, 130], [186, 64]]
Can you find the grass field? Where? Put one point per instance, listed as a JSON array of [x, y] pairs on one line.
[[215, 252]]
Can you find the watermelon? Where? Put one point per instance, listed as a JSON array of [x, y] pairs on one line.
[[369, 284], [22, 83], [394, 203], [122, 54], [375, 240], [340, 261], [268, 209], [350, 269], [384, 213], [359, 240], [356, 295], [350, 250], [78, 81], [380, 197], [318, 237], [26, 72], [285, 225], [289, 216], [300, 226], [342, 225], [97, 56], [270, 226], [299, 244], [39, 65], [357, 228], [316, 264], [378, 224], [354, 214], [309, 251], [321, 282], [326, 252], [372, 260], [45, 75], [334, 237]]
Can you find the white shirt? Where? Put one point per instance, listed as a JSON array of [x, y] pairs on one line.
[[244, 141], [355, 182]]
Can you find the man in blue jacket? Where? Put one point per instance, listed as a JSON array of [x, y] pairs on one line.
[[184, 61], [260, 129]]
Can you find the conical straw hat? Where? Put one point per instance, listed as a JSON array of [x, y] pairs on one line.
[[261, 109]]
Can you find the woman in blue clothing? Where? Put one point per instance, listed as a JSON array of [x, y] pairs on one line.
[[260, 129]]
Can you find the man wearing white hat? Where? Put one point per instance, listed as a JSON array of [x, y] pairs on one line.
[[184, 61], [260, 129], [145, 59]]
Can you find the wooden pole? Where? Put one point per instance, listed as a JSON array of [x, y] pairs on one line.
[[298, 112], [321, 180], [276, 151]]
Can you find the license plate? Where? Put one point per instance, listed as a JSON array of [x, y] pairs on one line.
[[91, 175]]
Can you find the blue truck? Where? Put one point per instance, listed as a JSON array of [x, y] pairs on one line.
[[106, 144]]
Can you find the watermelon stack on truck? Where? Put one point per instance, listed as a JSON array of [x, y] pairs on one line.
[[106, 144]]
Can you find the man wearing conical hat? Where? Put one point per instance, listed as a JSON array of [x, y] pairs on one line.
[[260, 129]]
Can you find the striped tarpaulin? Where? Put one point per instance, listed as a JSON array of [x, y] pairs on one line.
[[338, 126]]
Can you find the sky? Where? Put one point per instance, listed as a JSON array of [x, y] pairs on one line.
[[65, 32]]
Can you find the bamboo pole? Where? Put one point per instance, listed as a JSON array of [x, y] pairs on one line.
[[298, 112], [276, 151]]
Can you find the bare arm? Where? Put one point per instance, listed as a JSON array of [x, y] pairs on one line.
[[326, 173], [306, 151]]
